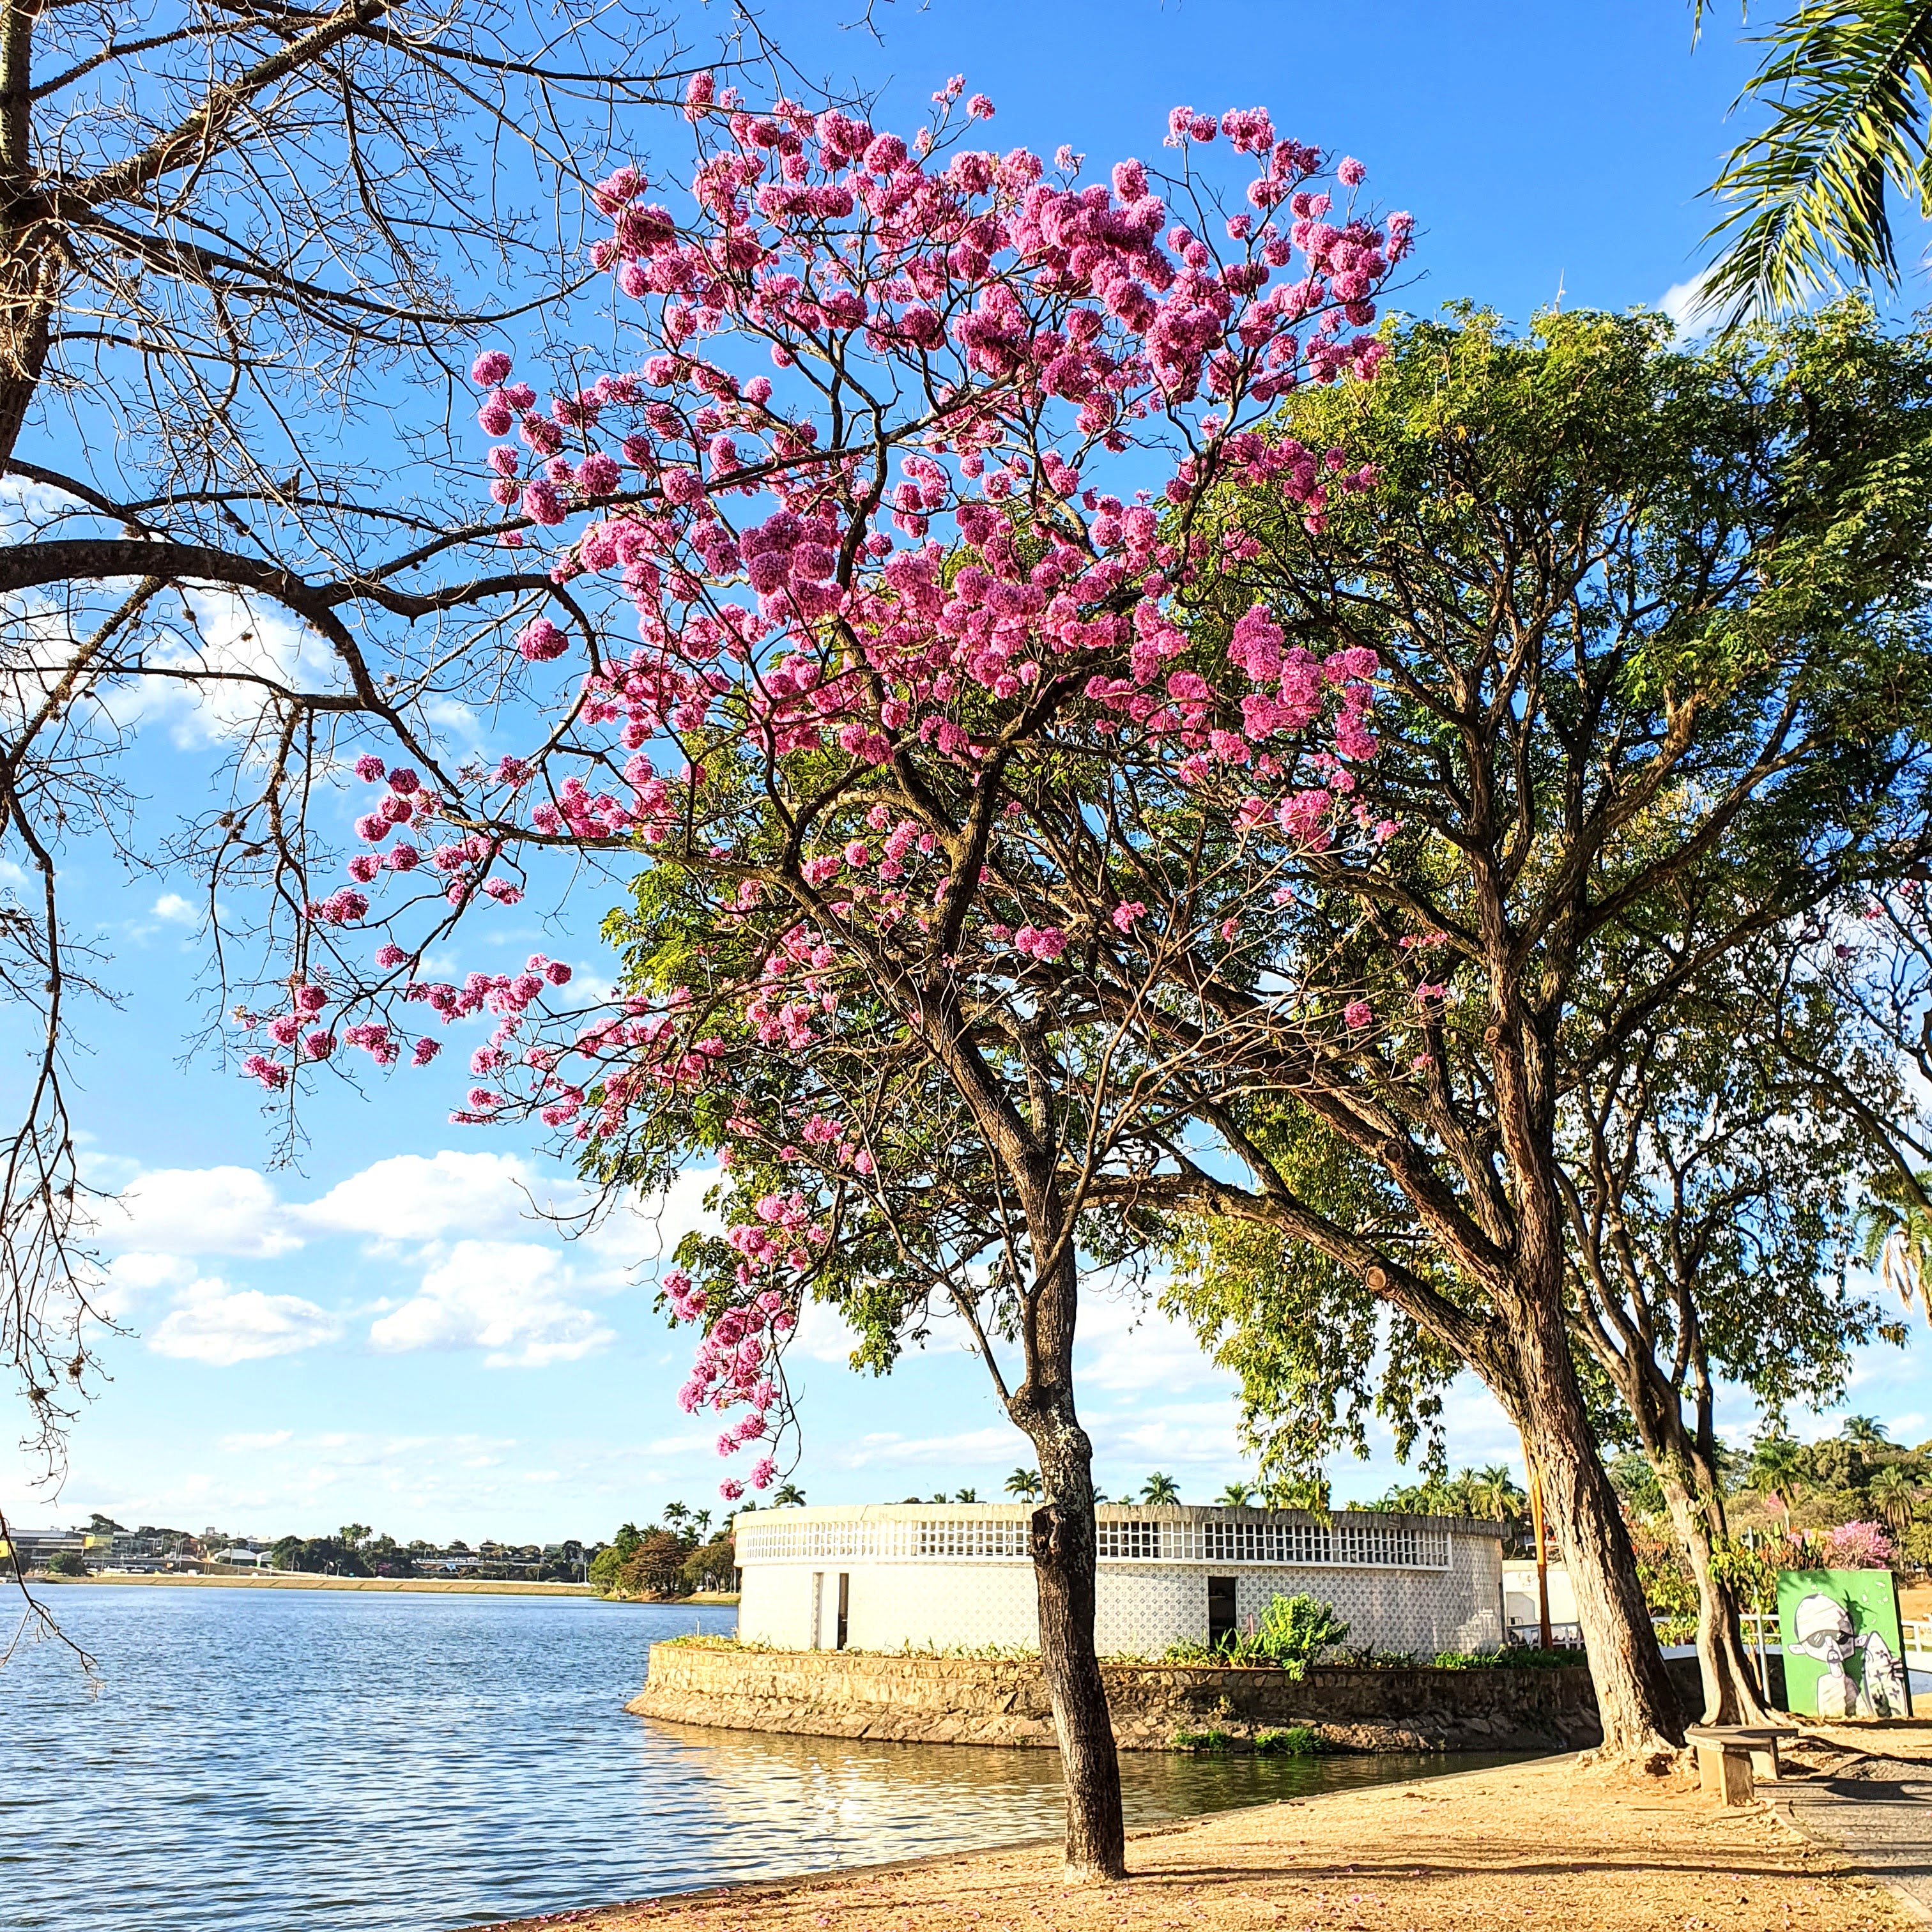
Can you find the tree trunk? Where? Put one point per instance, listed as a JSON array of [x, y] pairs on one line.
[[1064, 1548], [1730, 1684], [1638, 1707]]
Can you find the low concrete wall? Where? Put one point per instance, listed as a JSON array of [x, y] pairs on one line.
[[916, 1699]]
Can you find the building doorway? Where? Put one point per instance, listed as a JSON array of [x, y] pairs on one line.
[[1221, 1624]]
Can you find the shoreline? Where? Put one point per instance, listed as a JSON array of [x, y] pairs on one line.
[[1549, 1844], [427, 1586]]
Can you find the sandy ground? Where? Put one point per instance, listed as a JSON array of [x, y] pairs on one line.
[[1546, 1844]]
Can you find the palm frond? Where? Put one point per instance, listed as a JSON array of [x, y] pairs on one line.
[[1848, 84]]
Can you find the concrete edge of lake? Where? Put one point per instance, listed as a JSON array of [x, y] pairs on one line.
[[915, 1699]]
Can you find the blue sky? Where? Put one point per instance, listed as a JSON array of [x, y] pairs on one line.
[[388, 1334]]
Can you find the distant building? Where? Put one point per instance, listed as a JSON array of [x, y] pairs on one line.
[[37, 1548], [960, 1575]]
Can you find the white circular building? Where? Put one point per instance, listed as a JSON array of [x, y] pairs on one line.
[[957, 1576]]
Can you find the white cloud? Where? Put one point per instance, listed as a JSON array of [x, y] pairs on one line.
[[208, 1210], [420, 1198], [136, 1273], [172, 906], [510, 1297], [221, 1326], [1126, 1348], [1684, 303]]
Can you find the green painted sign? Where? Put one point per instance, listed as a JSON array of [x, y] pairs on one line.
[[1844, 1651]]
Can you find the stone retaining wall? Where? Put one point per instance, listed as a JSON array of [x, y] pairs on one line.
[[919, 1700]]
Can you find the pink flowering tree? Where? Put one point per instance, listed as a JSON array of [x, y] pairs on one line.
[[900, 499]]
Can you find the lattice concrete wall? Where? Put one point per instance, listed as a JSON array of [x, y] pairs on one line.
[[1144, 1605]]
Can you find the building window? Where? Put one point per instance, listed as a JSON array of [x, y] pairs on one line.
[[1220, 1609], [845, 1604]]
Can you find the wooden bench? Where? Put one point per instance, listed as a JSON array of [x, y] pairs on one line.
[[1731, 1757]]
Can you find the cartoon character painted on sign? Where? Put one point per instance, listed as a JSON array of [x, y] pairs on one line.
[[1823, 1629]]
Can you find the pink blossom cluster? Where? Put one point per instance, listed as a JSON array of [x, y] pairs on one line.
[[737, 1361], [916, 593]]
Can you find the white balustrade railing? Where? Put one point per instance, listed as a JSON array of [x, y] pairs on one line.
[[1237, 1537]]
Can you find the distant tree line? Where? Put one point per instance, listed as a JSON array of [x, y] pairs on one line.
[[679, 1555]]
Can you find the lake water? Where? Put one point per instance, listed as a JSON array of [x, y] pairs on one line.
[[288, 1761]]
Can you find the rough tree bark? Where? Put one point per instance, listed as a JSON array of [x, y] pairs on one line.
[[1064, 1546], [1634, 1697], [1730, 1685]]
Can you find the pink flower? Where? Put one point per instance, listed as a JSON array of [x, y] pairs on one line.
[[319, 1045], [763, 1471], [1351, 173], [542, 504], [1126, 914], [490, 368], [425, 1051], [980, 107], [599, 475], [390, 956], [1358, 1013], [370, 769], [540, 640], [731, 1490]]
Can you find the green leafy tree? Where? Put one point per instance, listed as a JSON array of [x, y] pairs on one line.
[[1236, 1495], [606, 1566], [788, 1494], [655, 1569], [1160, 1489], [1652, 624], [1865, 1430], [1024, 1484]]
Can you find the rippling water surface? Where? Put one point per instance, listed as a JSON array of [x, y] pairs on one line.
[[286, 1761]]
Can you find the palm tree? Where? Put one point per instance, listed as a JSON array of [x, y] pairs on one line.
[[1777, 1470], [967, 1496], [1236, 1495], [1845, 84], [1895, 1233], [1891, 1490], [1159, 1488], [786, 1495], [1865, 1430], [675, 1514], [1493, 1493], [1024, 1484]]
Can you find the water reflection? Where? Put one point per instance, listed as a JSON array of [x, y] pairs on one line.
[[294, 1761]]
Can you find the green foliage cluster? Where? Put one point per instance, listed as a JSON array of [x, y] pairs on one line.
[[1295, 1741], [672, 1559], [1290, 1635], [1206, 1744]]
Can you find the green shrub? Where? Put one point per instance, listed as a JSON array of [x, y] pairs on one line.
[[1293, 1631], [1298, 1741], [1213, 1743], [1518, 1657]]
